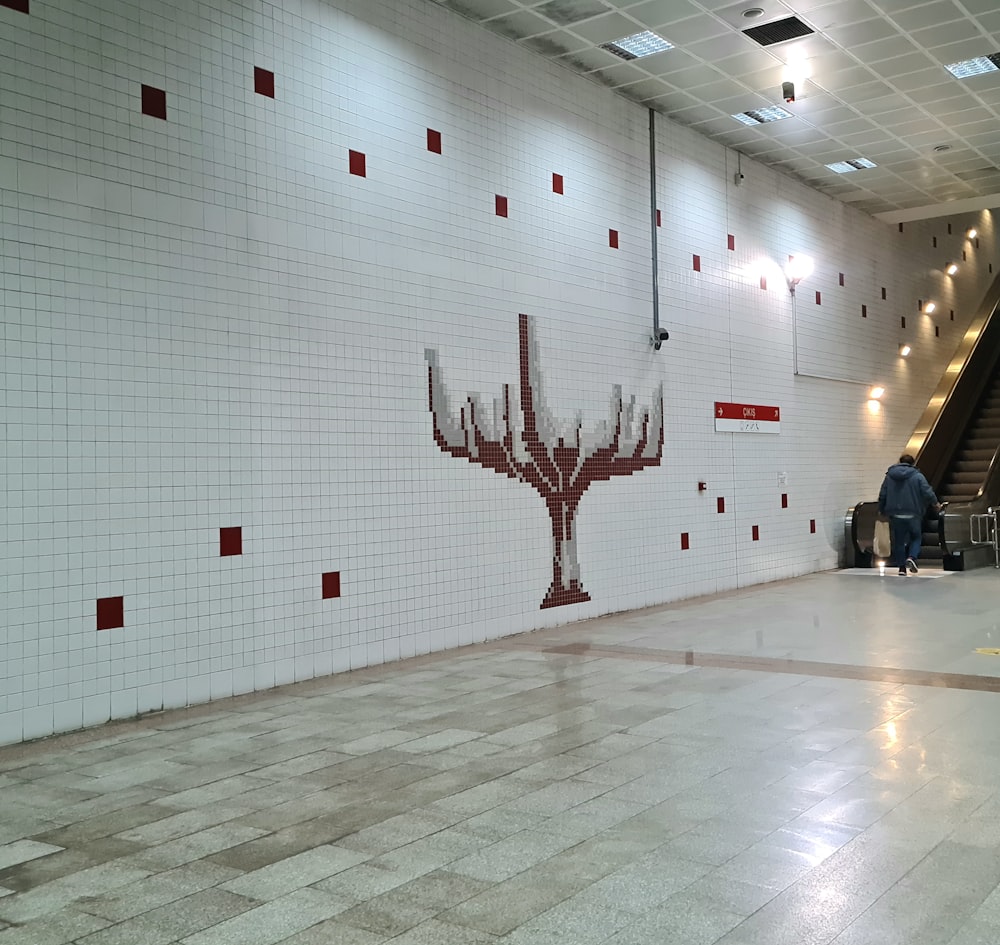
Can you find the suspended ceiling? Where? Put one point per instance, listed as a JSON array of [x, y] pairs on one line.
[[878, 88]]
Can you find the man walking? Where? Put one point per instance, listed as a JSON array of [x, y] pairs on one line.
[[904, 497]]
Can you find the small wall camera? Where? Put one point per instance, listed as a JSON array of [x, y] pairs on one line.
[[659, 336], [788, 91]]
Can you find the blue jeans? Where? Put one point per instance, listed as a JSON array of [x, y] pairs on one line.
[[905, 535]]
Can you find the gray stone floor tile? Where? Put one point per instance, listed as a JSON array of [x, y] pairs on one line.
[[58, 928], [271, 922], [156, 890], [435, 932], [294, 872], [21, 851], [170, 923]]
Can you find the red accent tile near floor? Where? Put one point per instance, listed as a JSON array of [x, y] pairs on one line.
[[501, 206], [557, 183], [841, 278], [110, 613], [784, 500], [358, 164], [263, 82], [819, 299], [154, 102], [331, 584], [812, 526], [433, 140], [756, 533], [731, 241], [685, 542], [659, 218], [720, 504], [21, 6], [613, 239], [696, 263], [230, 541]]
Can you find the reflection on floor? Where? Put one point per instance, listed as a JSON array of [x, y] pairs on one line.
[[814, 761]]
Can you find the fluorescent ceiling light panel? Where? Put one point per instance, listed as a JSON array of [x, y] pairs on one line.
[[977, 66], [761, 116], [638, 45], [855, 164]]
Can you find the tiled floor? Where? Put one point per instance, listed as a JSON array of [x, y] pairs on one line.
[[815, 761]]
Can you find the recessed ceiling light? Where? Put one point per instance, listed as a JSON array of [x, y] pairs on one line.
[[854, 164], [761, 116], [941, 148], [977, 66], [638, 45], [753, 12]]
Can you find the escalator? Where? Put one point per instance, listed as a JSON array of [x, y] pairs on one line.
[[960, 456]]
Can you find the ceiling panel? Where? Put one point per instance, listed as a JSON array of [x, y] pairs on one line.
[[875, 83]]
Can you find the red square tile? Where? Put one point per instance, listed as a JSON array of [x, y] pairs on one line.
[[784, 500], [696, 263], [433, 140], [819, 299], [20, 5], [110, 613], [331, 584], [720, 504], [263, 82], [731, 241], [357, 164], [659, 218], [613, 239], [557, 183], [230, 541], [756, 533], [501, 206], [812, 526], [154, 102], [685, 542]]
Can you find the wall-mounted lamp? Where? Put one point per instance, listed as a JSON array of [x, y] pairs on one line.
[[930, 307], [799, 267], [874, 406], [904, 351], [972, 233], [951, 269], [876, 393]]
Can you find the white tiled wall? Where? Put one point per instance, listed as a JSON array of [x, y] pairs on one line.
[[209, 323]]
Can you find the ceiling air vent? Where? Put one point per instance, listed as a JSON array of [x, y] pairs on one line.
[[778, 31]]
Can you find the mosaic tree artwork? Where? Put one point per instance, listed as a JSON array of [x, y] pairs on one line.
[[559, 459]]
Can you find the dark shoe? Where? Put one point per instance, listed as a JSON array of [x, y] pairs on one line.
[[912, 565], [902, 572]]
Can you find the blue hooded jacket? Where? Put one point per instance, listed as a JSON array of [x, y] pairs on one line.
[[905, 493]]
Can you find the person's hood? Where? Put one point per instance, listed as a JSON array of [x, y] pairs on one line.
[[901, 472]]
